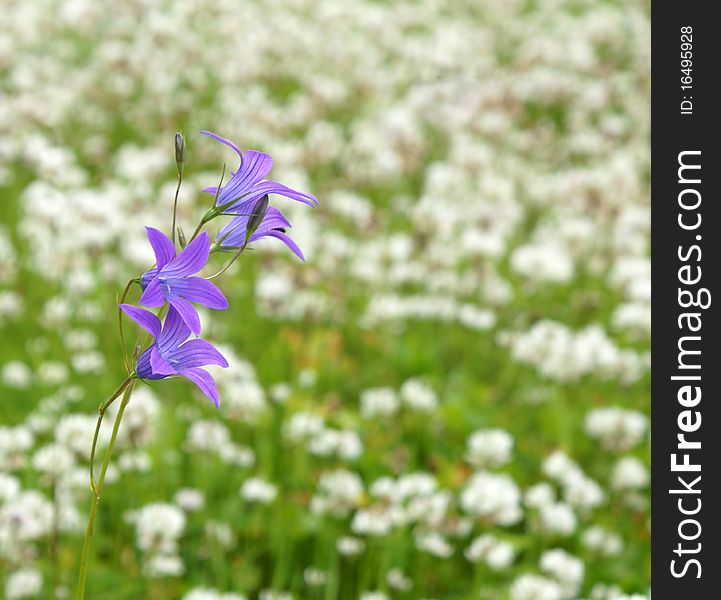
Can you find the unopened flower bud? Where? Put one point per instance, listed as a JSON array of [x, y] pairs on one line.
[[179, 152], [181, 238], [256, 218]]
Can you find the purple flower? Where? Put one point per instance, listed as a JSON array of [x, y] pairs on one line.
[[170, 279], [248, 184], [273, 224], [170, 354]]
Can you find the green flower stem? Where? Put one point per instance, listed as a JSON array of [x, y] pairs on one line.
[[101, 414], [120, 320], [175, 205], [126, 389], [213, 212]]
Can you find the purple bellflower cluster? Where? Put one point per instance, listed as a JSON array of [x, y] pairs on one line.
[[173, 283], [173, 286]]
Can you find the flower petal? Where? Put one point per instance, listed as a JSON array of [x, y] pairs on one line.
[[187, 313], [228, 143], [283, 238], [143, 368], [163, 247], [197, 289], [205, 383], [255, 166], [147, 277], [191, 260], [197, 353], [273, 187], [174, 333], [142, 317], [273, 220], [159, 365], [152, 296], [232, 235]]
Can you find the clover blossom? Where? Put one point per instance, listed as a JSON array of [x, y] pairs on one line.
[[170, 280], [173, 354]]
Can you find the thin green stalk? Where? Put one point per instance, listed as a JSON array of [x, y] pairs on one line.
[[53, 543], [101, 413], [120, 322], [175, 205], [213, 212], [230, 264], [97, 488]]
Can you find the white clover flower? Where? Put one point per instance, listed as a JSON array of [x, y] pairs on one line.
[[558, 518], [602, 591], [237, 455], [274, 595], [75, 432], [498, 555], [139, 461], [256, 489], [16, 374], [314, 577], [539, 495], [345, 444], [489, 448], [244, 400], [25, 517], [9, 487], [543, 262], [202, 594], [52, 373], [602, 541], [582, 492], [15, 442], [88, 362], [280, 392], [398, 580], [558, 466], [376, 520], [25, 583], [476, 318], [629, 473], [158, 527], [53, 460], [139, 419], [493, 498], [307, 377], [535, 587], [338, 493], [378, 402], [433, 543], [616, 428], [163, 565], [430, 509], [207, 436], [302, 426], [418, 396], [374, 596], [565, 568], [189, 499], [350, 546], [220, 532]]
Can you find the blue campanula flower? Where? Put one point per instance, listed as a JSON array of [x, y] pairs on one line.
[[272, 224], [172, 353], [248, 184], [171, 279]]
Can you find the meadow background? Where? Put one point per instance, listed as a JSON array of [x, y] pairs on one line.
[[448, 400]]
